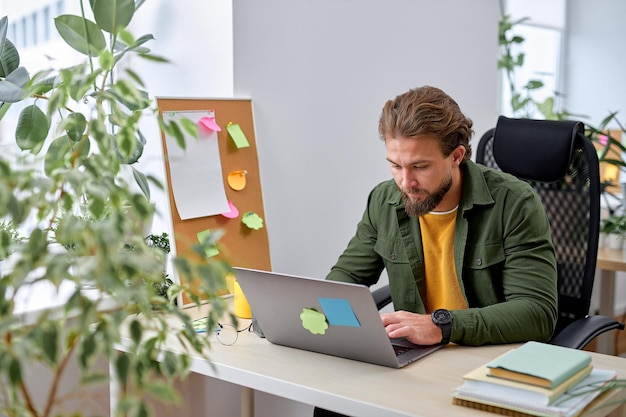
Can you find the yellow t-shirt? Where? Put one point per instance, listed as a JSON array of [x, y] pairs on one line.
[[442, 285]]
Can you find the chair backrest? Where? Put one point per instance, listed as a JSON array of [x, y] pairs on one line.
[[562, 166]]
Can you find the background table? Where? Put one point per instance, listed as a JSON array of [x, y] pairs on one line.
[[609, 262]]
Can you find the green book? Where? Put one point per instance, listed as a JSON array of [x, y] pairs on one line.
[[539, 364]]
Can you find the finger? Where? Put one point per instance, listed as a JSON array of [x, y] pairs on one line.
[[398, 330], [389, 318]]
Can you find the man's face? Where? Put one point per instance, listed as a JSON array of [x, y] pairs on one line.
[[421, 171]]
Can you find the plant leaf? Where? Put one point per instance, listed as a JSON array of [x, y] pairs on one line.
[[122, 365], [58, 151], [32, 128], [12, 88], [4, 108], [42, 82], [9, 58], [81, 34], [50, 341], [174, 129], [76, 125], [4, 25], [142, 182], [189, 126], [163, 391], [136, 331], [112, 15], [15, 372]]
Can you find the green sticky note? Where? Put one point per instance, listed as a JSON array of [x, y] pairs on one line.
[[252, 220], [313, 321], [209, 250], [235, 132]]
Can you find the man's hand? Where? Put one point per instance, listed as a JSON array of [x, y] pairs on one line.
[[416, 328]]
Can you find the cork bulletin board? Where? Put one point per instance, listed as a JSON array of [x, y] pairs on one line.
[[240, 245]]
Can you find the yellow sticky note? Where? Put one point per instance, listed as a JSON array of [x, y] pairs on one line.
[[235, 132]]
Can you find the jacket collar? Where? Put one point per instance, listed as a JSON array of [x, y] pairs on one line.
[[475, 189]]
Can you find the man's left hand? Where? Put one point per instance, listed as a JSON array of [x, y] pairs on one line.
[[416, 328]]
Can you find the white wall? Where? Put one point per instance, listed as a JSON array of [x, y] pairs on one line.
[[595, 62], [594, 77], [318, 73]]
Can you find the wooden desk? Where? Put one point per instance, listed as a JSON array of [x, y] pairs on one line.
[[358, 389], [609, 262]]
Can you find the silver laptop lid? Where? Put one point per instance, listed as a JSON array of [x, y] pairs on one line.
[[322, 316]]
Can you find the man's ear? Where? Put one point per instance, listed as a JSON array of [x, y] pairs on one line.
[[458, 154]]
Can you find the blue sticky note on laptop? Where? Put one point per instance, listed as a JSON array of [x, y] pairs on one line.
[[339, 312]]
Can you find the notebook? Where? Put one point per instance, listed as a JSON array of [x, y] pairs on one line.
[[329, 317]]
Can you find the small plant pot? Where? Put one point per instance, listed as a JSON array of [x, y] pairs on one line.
[[615, 241], [602, 240]]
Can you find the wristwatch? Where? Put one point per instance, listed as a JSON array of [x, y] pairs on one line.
[[443, 319]]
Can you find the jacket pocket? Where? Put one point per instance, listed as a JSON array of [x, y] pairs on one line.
[[483, 255], [404, 288], [392, 251], [482, 275]]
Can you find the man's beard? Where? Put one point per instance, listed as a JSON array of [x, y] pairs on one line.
[[418, 208]]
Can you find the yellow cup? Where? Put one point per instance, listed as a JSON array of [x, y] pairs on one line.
[[242, 308]]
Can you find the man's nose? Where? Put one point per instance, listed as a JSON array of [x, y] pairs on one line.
[[407, 179]]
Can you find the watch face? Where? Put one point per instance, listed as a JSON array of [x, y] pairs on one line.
[[442, 316]]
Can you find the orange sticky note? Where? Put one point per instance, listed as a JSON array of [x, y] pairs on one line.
[[237, 179]]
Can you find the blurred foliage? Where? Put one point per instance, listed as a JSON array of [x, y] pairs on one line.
[[70, 216]]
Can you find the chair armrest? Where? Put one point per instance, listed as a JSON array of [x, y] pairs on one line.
[[579, 333], [382, 296]]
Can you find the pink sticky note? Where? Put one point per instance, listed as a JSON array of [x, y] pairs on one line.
[[209, 123], [232, 213]]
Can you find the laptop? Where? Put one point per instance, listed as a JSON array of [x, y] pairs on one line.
[[334, 318]]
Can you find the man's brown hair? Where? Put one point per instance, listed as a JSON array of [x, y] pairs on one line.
[[427, 111]]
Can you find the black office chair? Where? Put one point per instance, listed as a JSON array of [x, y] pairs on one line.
[[561, 164]]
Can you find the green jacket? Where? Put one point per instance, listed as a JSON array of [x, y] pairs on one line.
[[502, 249]]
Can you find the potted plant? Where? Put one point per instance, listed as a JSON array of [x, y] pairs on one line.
[[162, 243], [76, 128], [613, 229], [10, 237], [523, 103]]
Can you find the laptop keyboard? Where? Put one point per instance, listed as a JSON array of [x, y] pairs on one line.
[[399, 350]]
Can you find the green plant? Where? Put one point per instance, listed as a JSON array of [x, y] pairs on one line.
[[10, 236], [76, 128], [162, 243], [524, 104], [613, 224]]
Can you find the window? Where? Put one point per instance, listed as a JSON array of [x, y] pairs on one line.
[[542, 47], [45, 24]]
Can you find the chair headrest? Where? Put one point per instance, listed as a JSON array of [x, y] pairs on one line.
[[538, 150]]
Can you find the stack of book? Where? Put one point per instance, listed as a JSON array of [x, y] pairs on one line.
[[535, 379]]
